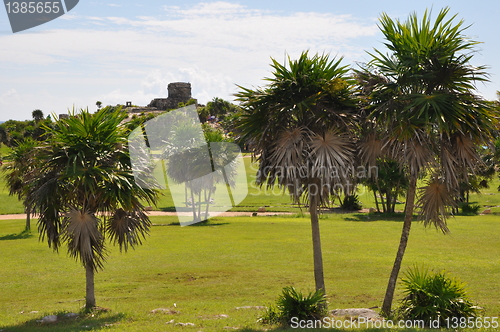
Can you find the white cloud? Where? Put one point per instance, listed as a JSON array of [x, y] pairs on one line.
[[9, 97], [207, 32], [219, 9], [212, 45]]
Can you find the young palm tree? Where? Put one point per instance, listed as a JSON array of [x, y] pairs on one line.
[[86, 191], [22, 170], [424, 101], [299, 126]]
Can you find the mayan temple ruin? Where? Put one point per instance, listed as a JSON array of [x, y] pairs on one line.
[[178, 92]]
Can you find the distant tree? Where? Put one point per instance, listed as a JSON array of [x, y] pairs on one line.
[[98, 104], [191, 101], [138, 120], [37, 115], [3, 135], [389, 183], [14, 131], [21, 171], [220, 108], [203, 113]]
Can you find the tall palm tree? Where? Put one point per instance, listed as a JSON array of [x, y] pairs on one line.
[[423, 96], [299, 127], [86, 191], [20, 171]]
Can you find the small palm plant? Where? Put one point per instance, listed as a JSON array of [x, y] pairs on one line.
[[293, 304], [434, 297]]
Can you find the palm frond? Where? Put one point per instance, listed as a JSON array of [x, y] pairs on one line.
[[332, 157], [370, 149], [465, 151], [435, 202], [128, 228], [81, 231], [416, 153]]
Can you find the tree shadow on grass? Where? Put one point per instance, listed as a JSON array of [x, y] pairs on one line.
[[174, 209], [211, 222], [67, 324], [23, 235], [369, 217]]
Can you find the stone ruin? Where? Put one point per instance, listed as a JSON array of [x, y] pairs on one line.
[[178, 92]]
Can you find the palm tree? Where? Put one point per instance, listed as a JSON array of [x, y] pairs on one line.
[[86, 191], [299, 127], [423, 99], [22, 170], [37, 115]]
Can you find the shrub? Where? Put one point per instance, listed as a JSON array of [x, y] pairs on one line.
[[430, 297], [292, 303], [351, 203], [469, 209]]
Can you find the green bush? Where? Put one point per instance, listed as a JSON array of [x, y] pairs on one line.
[[434, 297], [469, 209], [351, 203], [292, 303]]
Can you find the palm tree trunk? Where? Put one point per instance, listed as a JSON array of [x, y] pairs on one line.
[[382, 199], [317, 254], [89, 289], [388, 200], [391, 287], [195, 218], [207, 199], [28, 219], [376, 200]]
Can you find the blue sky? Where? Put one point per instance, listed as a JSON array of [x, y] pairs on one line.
[[118, 51]]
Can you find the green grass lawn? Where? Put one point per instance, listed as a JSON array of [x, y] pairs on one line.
[[272, 198], [207, 271], [8, 204], [4, 151]]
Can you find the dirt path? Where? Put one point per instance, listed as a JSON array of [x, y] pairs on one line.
[[161, 213]]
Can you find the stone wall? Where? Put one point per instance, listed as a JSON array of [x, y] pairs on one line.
[[178, 92]]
